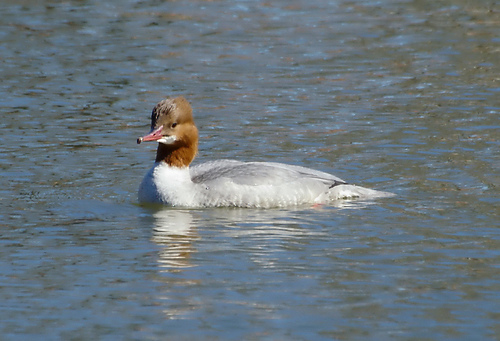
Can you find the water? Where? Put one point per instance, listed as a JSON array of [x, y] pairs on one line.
[[395, 95]]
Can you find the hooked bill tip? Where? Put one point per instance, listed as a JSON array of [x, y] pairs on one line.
[[139, 140]]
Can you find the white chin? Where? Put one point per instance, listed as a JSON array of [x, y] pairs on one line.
[[168, 139]]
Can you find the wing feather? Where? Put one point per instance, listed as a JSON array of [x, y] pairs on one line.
[[258, 173]]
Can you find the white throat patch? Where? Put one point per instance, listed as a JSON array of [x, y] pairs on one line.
[[168, 139]]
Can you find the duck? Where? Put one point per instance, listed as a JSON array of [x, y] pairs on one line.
[[174, 182]]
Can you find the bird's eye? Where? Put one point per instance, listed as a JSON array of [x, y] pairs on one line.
[[174, 125]]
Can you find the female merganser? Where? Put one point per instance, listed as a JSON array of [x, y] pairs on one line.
[[227, 182]]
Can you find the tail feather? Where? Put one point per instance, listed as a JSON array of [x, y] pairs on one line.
[[352, 191]]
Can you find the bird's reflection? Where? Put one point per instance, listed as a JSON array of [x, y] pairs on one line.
[[175, 232]]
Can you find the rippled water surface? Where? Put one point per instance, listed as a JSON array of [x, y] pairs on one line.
[[397, 95]]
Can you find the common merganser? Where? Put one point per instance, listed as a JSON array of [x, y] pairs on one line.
[[227, 182]]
